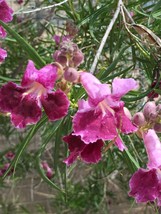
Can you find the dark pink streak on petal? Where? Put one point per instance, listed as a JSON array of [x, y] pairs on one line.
[[144, 185], [27, 112], [92, 152], [55, 105], [45, 76], [92, 126], [10, 96]]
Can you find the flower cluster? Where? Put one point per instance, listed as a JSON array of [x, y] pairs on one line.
[[99, 118], [145, 184], [24, 102]]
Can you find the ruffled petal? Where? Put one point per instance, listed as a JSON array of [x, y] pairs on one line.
[[144, 185], [92, 152], [75, 145], [3, 54], [124, 123], [10, 96], [3, 33], [95, 90], [153, 148], [120, 87], [5, 12], [27, 112], [55, 104], [45, 76], [92, 126]]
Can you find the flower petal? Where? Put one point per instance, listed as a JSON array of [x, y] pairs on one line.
[[92, 126], [92, 152], [3, 33], [119, 144], [10, 96], [27, 112], [45, 76], [120, 87], [95, 90], [75, 145], [153, 148], [124, 123], [55, 104], [3, 54], [5, 12], [144, 185]]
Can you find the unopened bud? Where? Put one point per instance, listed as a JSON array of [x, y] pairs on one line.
[[157, 127], [139, 119], [78, 58], [71, 74], [59, 57], [71, 28], [149, 111]]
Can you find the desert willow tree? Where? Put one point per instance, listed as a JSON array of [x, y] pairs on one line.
[[91, 87]]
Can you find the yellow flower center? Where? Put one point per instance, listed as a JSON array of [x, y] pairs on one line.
[[36, 89]]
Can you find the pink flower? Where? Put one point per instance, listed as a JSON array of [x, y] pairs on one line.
[[102, 114], [145, 184], [3, 55], [24, 102], [10, 155], [2, 32], [47, 169], [89, 153], [5, 15]]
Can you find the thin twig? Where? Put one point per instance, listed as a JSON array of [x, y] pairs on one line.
[[41, 8], [109, 28]]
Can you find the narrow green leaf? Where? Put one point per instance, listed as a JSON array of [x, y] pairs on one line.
[[25, 45], [23, 145]]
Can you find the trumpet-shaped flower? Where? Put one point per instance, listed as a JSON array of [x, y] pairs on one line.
[[24, 102], [89, 153], [5, 16], [102, 116], [145, 184]]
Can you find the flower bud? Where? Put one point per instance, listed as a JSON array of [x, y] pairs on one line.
[[71, 28], [157, 127], [78, 58], [71, 74], [59, 57], [139, 119], [149, 111]]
